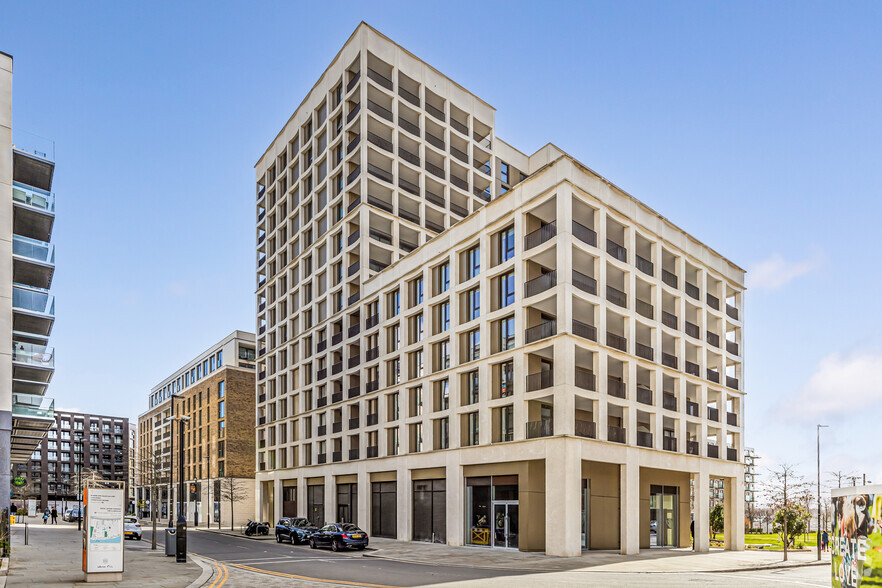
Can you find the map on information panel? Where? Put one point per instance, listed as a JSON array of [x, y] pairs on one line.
[[104, 533]]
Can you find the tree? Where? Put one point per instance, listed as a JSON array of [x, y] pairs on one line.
[[716, 519], [783, 489], [233, 491], [790, 522]]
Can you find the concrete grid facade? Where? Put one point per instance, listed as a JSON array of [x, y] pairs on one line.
[[459, 342], [217, 394]]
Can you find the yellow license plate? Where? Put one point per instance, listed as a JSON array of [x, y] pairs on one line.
[[356, 536]]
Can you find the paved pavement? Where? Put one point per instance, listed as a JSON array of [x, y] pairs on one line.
[[55, 552]]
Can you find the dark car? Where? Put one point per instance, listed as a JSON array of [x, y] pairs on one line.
[[294, 530], [339, 536]]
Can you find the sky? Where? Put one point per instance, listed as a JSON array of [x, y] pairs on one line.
[[754, 126]]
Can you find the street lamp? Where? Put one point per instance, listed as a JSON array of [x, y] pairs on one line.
[[181, 531], [79, 496], [819, 489]]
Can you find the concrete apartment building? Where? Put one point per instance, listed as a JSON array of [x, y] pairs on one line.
[[76, 445], [459, 342], [27, 215], [216, 391]]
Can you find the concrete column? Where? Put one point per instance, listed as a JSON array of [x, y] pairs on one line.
[[733, 513], [456, 506], [603, 403], [564, 399], [277, 503], [330, 498], [701, 509], [364, 498], [630, 505], [404, 493], [301, 497], [563, 487]]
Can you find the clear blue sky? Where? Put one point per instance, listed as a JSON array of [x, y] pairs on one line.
[[754, 126]]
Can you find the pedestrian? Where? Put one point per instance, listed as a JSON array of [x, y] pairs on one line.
[[45, 516], [13, 509], [825, 540], [54, 516]]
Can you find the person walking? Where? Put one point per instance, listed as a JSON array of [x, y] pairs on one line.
[[45, 516], [54, 516], [825, 540]]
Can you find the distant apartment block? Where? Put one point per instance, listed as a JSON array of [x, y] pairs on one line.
[[76, 446], [215, 391], [463, 343], [27, 213]]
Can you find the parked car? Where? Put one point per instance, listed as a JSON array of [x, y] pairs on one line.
[[72, 514], [132, 528], [294, 530], [339, 536]]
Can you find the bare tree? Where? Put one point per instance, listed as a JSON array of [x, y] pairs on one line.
[[149, 474], [784, 490], [232, 490], [840, 477]]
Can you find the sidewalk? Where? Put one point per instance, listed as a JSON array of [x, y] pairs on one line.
[[648, 561], [55, 553]]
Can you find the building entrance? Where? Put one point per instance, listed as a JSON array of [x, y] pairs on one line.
[[664, 513], [505, 524], [586, 514]]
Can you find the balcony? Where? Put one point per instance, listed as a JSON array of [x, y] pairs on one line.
[[669, 360], [669, 401], [732, 312], [354, 391], [355, 141], [34, 212], [732, 382], [33, 262], [713, 339], [616, 434], [644, 309], [644, 439], [584, 234], [692, 447], [353, 361], [433, 226], [691, 408], [338, 426], [536, 429], [436, 112], [713, 414], [373, 451], [337, 338], [412, 217], [644, 395], [319, 403], [586, 379], [692, 291], [353, 81], [32, 417], [616, 342], [713, 376], [616, 388], [33, 311], [353, 423], [669, 278], [644, 351], [409, 126], [584, 282], [669, 320], [372, 419], [584, 330], [732, 419], [353, 269], [409, 96], [321, 374], [458, 210], [713, 450], [732, 347], [540, 284], [435, 170], [379, 79], [372, 354], [540, 235], [692, 368], [616, 296], [319, 347], [373, 200], [669, 443], [540, 380], [353, 454], [731, 454], [713, 301], [353, 330], [335, 398], [541, 331], [372, 386], [380, 142], [380, 111], [32, 363], [457, 181], [616, 250], [587, 429], [322, 458], [645, 266], [693, 330], [372, 321], [353, 174], [322, 430]]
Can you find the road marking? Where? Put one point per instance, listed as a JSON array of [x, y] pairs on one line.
[[222, 575], [770, 578], [310, 579], [286, 559]]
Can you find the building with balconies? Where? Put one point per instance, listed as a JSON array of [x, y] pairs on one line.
[[463, 343], [28, 215], [214, 393]]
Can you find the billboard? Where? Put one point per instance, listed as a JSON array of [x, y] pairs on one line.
[[103, 533], [856, 539]]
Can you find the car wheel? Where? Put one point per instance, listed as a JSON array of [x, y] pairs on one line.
[[138, 538], [335, 545], [291, 538], [278, 538], [312, 543]]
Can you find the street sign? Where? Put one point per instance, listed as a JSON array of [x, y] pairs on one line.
[[19, 482], [103, 532]]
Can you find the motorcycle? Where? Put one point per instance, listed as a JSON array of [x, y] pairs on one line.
[[256, 528]]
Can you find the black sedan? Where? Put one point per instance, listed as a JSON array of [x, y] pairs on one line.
[[296, 530], [339, 536]]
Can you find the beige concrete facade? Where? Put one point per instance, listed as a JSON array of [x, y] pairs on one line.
[[462, 343]]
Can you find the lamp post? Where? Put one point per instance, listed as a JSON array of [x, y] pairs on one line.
[[819, 490], [79, 497], [181, 527]]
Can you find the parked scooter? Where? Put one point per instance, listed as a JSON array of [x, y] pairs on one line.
[[256, 528]]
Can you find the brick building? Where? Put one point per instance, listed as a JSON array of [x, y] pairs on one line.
[[215, 394]]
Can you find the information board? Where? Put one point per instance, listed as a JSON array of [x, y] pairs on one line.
[[103, 533]]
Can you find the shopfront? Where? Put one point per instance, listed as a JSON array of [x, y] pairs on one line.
[[492, 511], [315, 503], [430, 510], [384, 509]]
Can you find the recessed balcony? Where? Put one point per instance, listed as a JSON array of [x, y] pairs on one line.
[[33, 311]]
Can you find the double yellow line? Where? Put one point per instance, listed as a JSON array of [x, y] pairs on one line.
[[222, 575], [307, 578]]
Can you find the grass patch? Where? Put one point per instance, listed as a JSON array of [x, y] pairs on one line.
[[774, 541]]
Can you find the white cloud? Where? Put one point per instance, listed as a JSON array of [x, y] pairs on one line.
[[845, 386], [776, 272]]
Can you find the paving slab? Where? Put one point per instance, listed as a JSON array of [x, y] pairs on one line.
[[54, 556]]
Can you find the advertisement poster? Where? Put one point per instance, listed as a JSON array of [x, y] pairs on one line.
[[856, 540], [104, 530]]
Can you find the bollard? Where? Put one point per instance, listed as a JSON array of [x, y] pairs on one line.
[[26, 532]]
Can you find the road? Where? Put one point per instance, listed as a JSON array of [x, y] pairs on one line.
[[300, 566]]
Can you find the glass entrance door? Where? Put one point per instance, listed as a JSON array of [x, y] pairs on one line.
[[505, 524], [664, 514], [586, 514]]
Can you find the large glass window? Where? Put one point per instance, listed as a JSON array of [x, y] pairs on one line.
[[445, 316], [473, 304], [506, 423], [506, 334], [506, 379], [221, 409], [384, 509], [444, 277], [506, 244], [506, 289], [473, 262], [221, 389], [474, 345], [430, 510]]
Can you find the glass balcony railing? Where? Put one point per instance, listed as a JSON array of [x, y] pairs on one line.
[[32, 405], [31, 354], [35, 197], [34, 249], [33, 301]]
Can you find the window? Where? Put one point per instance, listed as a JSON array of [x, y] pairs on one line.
[[443, 317], [506, 289], [506, 423], [394, 303], [473, 347], [221, 409], [506, 244], [473, 262], [503, 172], [506, 379], [416, 291], [210, 368], [442, 395], [220, 358], [472, 428], [506, 334], [473, 304], [471, 388], [443, 278], [221, 389]]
